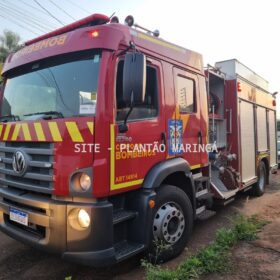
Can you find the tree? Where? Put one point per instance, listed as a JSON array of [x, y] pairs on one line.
[[9, 42], [1, 79], [1, 67]]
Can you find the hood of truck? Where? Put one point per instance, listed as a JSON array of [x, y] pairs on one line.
[[70, 142]]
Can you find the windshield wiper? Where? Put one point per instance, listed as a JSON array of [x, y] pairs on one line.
[[48, 113], [7, 117]]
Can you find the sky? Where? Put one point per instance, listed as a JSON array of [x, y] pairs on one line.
[[247, 30]]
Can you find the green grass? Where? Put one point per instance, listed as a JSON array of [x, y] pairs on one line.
[[213, 258]]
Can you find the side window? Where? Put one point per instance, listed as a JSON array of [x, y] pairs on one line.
[[150, 107], [186, 95]]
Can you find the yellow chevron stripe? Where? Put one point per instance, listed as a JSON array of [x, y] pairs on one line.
[[74, 132], [55, 132], [26, 132], [160, 42], [127, 184], [90, 127], [185, 120], [196, 166], [112, 156], [7, 130], [16, 132], [39, 132], [1, 128]]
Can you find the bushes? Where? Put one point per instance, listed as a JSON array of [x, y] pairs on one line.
[[213, 258]]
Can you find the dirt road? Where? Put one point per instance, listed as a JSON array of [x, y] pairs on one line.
[[259, 260]]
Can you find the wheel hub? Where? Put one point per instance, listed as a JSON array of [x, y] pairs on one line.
[[169, 223]]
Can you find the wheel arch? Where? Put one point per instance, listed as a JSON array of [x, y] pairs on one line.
[[176, 172], [266, 163]]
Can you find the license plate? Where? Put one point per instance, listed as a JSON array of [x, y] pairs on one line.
[[18, 216]]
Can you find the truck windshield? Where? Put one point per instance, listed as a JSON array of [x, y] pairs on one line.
[[66, 88]]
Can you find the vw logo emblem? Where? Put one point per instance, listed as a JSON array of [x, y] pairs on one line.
[[19, 163]]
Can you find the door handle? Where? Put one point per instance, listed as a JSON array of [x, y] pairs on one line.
[[199, 135], [163, 138], [230, 120]]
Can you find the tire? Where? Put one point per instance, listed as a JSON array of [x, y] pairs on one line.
[[259, 188], [172, 223]]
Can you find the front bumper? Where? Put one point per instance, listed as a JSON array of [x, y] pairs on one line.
[[49, 230]]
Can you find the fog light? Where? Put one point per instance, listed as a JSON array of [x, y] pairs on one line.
[[85, 182], [83, 218]]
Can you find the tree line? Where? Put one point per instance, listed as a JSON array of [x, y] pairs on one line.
[[9, 43]]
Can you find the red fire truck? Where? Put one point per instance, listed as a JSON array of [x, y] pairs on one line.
[[103, 134]]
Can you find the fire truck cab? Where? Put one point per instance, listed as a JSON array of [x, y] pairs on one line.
[[107, 137]]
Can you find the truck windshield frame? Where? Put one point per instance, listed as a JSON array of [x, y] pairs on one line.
[[66, 84]]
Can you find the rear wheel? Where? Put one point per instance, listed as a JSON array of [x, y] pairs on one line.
[[172, 223], [259, 188]]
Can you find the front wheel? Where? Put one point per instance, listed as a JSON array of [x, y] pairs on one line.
[[171, 224], [259, 188]]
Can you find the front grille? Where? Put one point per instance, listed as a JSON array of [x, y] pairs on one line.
[[26, 208], [39, 175]]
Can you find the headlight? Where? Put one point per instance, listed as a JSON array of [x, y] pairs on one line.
[[81, 182], [83, 218], [79, 219], [85, 181]]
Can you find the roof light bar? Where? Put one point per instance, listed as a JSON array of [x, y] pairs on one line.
[[114, 19], [129, 20], [91, 20]]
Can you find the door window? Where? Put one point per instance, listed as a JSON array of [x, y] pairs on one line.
[[185, 95], [149, 109]]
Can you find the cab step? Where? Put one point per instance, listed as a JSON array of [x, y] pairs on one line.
[[203, 195], [201, 186], [224, 202], [200, 179], [206, 215], [125, 249], [121, 215]]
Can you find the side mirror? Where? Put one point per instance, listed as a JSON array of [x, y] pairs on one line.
[[134, 79]]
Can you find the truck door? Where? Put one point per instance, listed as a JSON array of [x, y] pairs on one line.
[[272, 137], [188, 116], [135, 152], [247, 141]]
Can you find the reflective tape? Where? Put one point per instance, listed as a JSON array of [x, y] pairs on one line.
[[51, 131], [16, 132], [39, 132], [74, 132], [7, 130], [26, 132], [55, 132]]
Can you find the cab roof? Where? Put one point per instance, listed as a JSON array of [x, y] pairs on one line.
[[96, 32]]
